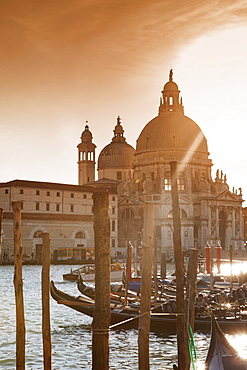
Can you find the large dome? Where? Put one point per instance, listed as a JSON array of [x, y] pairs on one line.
[[171, 131]]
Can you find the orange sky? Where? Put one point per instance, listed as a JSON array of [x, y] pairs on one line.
[[65, 62]]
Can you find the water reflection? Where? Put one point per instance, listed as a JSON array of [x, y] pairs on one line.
[[71, 331]]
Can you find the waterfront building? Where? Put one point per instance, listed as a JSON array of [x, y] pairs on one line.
[[210, 212]]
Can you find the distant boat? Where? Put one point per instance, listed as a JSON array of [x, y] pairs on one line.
[[221, 355], [87, 273]]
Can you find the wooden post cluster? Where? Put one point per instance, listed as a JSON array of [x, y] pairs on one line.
[[183, 353], [146, 283], [101, 320], [18, 284], [46, 326]]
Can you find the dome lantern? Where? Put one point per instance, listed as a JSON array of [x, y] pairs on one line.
[[169, 102]]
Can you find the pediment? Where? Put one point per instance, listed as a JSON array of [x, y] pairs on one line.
[[128, 200], [227, 195]]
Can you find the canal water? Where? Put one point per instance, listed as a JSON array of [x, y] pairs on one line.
[[71, 331]]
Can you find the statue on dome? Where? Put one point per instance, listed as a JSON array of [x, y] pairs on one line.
[[171, 75]]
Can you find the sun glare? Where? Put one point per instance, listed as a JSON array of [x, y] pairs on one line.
[[239, 343], [236, 269]]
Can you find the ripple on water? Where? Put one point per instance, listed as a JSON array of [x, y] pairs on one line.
[[71, 331]]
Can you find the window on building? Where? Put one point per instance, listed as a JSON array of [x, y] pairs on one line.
[[182, 213], [127, 214], [38, 234], [84, 196], [113, 198], [113, 243], [48, 206], [37, 206], [167, 181], [37, 192], [80, 235], [113, 226], [72, 195], [48, 193], [6, 191], [21, 205], [57, 207], [21, 191], [119, 176], [72, 208], [58, 194], [113, 210]]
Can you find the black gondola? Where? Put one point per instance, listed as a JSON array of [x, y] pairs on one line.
[[159, 321], [221, 355]]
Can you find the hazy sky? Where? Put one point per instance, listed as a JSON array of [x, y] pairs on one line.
[[65, 62]]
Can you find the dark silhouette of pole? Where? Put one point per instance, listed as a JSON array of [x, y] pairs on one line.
[[183, 353], [230, 256], [155, 269], [1, 239], [46, 326], [128, 273], [146, 283], [191, 286], [163, 266], [18, 284], [101, 319]]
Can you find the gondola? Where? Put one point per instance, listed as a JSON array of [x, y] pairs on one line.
[[221, 355], [159, 321]]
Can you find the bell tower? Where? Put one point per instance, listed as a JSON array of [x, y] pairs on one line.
[[86, 157]]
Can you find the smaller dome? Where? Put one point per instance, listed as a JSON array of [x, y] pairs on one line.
[[86, 136], [117, 154], [171, 86], [86, 132]]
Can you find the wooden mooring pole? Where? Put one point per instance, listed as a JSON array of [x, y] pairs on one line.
[[18, 284], [146, 283], [46, 326], [101, 319], [191, 286], [163, 266], [1, 234], [182, 336]]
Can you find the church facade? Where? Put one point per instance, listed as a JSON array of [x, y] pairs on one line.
[[210, 213]]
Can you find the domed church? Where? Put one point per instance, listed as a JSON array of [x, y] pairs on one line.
[[209, 211]]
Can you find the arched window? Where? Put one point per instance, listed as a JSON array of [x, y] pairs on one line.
[[38, 234], [80, 235], [167, 180], [182, 213]]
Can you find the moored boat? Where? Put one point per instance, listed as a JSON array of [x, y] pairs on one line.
[[159, 320], [221, 355], [87, 273]]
